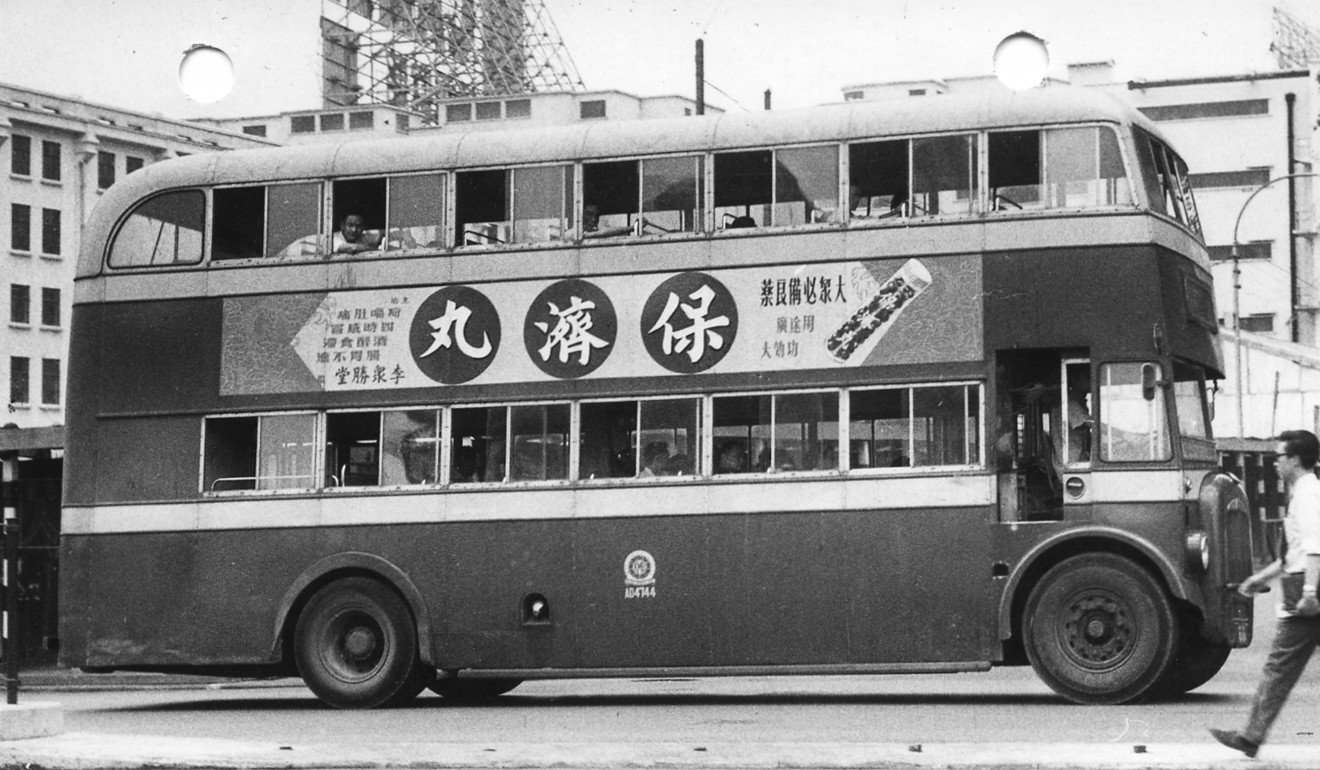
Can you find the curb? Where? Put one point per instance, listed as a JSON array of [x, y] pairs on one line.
[[30, 720]]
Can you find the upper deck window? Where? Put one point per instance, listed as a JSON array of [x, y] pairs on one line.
[[519, 205], [163, 230], [758, 188], [878, 179], [944, 175], [632, 197], [1056, 168], [1165, 178], [266, 221], [387, 213]]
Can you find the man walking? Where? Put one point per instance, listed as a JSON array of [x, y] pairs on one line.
[[1297, 633]]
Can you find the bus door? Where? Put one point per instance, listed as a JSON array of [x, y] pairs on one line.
[[1043, 451]]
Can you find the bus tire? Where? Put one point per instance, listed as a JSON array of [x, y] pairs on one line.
[[1100, 629], [472, 690], [356, 646], [1196, 663]]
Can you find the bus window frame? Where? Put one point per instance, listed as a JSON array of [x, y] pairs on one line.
[[979, 461], [697, 441], [1100, 417], [317, 247], [318, 456], [129, 211]]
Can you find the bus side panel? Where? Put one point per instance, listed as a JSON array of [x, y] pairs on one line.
[[83, 389], [148, 458], [739, 589]]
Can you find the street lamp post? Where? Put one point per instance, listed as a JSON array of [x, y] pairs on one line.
[[1237, 287]]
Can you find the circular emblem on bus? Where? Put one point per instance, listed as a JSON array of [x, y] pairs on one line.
[[639, 568], [570, 329], [454, 334], [689, 323]]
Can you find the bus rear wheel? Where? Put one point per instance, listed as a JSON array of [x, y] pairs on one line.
[[356, 646], [472, 690], [1098, 628]]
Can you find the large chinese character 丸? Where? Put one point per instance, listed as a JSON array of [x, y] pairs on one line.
[[571, 332], [455, 319], [700, 333]]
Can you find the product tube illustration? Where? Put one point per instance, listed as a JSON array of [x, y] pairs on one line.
[[877, 314]]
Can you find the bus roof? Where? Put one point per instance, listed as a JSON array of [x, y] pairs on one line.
[[608, 139]]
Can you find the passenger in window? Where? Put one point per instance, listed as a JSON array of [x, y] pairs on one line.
[[352, 237], [465, 466], [591, 224], [732, 458], [680, 465], [735, 223], [655, 460]]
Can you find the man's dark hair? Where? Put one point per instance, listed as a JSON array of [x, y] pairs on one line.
[[1301, 444]]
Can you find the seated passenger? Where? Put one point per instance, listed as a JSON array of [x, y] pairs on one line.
[[655, 460], [352, 237], [591, 224], [734, 223], [731, 458]]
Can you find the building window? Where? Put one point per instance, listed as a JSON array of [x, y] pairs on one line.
[[456, 113], [1208, 110], [488, 110], [20, 304], [518, 108], [303, 124], [50, 381], [18, 380], [916, 92], [854, 96], [592, 109], [1252, 177], [132, 164], [257, 130], [20, 148], [1252, 250], [1261, 323], [50, 307], [20, 227], [359, 121], [50, 161], [105, 169], [332, 122], [50, 231]]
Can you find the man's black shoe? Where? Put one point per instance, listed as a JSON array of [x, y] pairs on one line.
[[1233, 740]]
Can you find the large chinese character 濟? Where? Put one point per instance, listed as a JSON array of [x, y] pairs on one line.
[[571, 332]]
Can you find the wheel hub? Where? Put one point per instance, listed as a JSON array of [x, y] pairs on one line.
[[360, 644], [1097, 630]]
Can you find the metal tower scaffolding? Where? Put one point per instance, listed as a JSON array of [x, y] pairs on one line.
[[414, 53], [1295, 44]]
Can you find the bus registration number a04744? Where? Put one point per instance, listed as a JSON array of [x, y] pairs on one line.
[[639, 575]]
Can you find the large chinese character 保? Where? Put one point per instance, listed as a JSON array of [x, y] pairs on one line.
[[700, 333]]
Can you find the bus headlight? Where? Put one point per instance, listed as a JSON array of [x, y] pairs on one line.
[[1198, 549]]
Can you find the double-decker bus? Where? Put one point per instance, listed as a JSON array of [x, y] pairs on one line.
[[911, 386]]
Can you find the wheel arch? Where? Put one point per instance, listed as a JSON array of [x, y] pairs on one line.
[[341, 565], [1049, 552]]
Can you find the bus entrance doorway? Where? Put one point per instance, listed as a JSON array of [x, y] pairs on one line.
[[1045, 427]]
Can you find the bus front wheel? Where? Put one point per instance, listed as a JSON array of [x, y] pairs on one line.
[[356, 646], [1098, 628]]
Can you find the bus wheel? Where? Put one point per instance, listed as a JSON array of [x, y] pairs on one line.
[[1098, 628], [356, 646], [1197, 662], [472, 690]]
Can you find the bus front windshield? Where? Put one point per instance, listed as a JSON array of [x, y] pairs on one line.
[[1190, 401]]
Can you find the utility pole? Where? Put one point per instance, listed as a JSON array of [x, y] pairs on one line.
[[701, 76]]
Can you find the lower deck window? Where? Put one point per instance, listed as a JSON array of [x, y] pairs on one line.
[[914, 427], [781, 432], [639, 439]]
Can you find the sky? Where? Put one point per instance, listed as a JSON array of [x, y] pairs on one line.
[[126, 53]]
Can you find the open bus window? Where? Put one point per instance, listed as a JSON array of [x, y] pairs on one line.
[[410, 447], [1056, 168], [538, 442], [265, 453], [806, 185], [906, 427], [481, 207], [806, 435], [1165, 177], [671, 194], [1132, 427], [238, 223], [944, 175], [744, 187], [878, 179], [609, 199], [542, 203], [161, 231], [1191, 217], [606, 439], [639, 439], [416, 203], [479, 437], [358, 215], [352, 449], [294, 224], [790, 432], [879, 428]]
